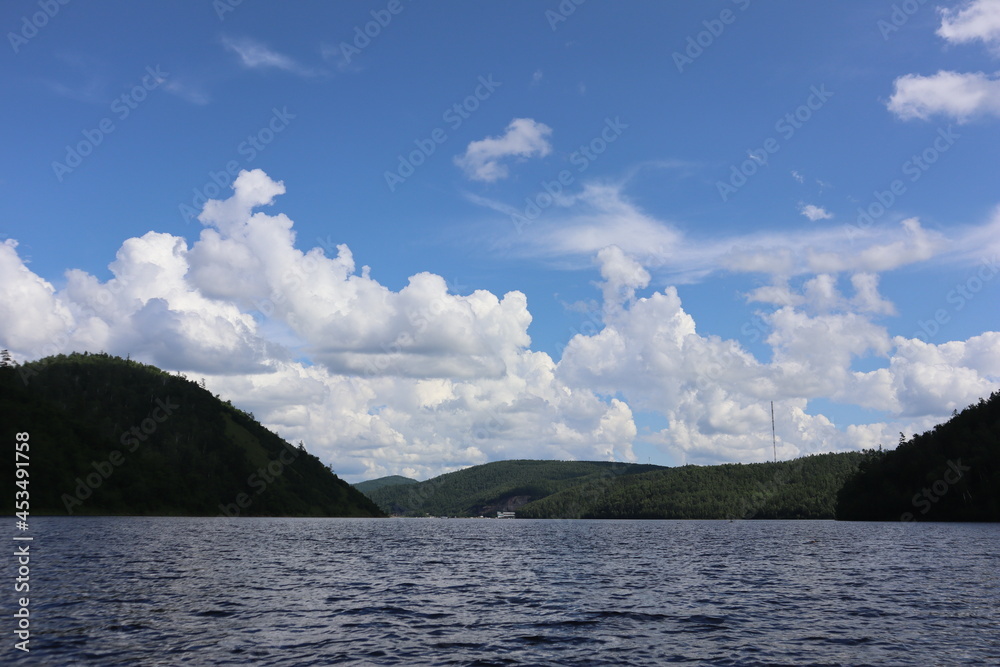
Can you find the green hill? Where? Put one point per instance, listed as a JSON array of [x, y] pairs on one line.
[[492, 487], [950, 473], [805, 488], [112, 436], [391, 480]]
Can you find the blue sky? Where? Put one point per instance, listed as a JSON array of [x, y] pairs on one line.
[[704, 252]]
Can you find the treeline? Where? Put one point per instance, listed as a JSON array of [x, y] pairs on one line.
[[950, 473], [805, 488], [113, 436]]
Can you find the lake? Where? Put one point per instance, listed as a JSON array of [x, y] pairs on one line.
[[171, 591]]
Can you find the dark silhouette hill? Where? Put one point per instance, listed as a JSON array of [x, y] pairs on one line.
[[949, 473], [113, 436]]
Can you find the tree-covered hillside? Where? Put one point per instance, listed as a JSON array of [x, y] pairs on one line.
[[391, 480], [113, 436], [950, 473], [492, 487], [802, 489]]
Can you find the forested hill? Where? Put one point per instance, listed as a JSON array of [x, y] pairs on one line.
[[391, 480], [950, 473], [492, 487], [805, 488], [112, 436]]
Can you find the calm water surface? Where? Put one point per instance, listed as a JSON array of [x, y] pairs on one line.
[[169, 591]]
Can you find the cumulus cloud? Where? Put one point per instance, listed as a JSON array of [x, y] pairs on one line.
[[974, 20], [961, 96], [423, 380], [29, 311], [814, 213], [524, 138], [417, 381], [716, 394]]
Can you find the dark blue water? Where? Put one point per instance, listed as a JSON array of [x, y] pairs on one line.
[[169, 591]]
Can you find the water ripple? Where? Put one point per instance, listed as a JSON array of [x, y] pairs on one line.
[[168, 591]]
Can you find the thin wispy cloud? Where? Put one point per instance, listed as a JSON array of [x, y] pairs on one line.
[[86, 81], [186, 92], [582, 223], [255, 55]]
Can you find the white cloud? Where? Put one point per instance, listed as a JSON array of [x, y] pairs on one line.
[[866, 296], [254, 55], [32, 318], [524, 138], [422, 380], [417, 381], [716, 394], [961, 96], [814, 213], [971, 21], [580, 224]]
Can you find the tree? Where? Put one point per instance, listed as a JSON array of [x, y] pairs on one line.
[[6, 361]]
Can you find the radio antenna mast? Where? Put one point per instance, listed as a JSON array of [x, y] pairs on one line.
[[774, 444]]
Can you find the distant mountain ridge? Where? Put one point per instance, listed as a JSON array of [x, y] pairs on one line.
[[492, 487], [113, 436], [805, 488], [391, 480]]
